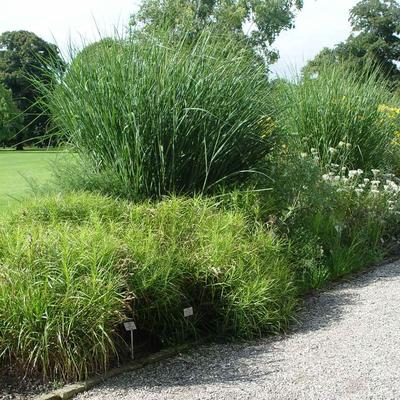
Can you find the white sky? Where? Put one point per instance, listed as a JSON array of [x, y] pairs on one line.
[[321, 23], [67, 20]]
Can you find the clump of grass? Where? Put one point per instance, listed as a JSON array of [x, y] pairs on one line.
[[70, 208], [340, 109], [73, 268], [61, 296], [155, 116]]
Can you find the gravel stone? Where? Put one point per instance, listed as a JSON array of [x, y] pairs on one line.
[[347, 346]]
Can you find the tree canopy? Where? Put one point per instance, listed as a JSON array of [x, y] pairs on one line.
[[10, 117], [374, 39], [258, 22], [24, 56]]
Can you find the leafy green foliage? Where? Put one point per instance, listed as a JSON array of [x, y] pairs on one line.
[[342, 108], [10, 117], [334, 226], [158, 117], [375, 37], [24, 55], [73, 268], [267, 18]]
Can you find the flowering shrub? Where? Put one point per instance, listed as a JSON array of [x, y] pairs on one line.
[[391, 114], [337, 219], [384, 184]]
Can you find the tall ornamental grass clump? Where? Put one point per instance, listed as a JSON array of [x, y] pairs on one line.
[[62, 294], [340, 109], [155, 115], [74, 268]]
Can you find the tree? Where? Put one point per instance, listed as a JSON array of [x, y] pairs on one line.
[[10, 117], [23, 57], [374, 39], [264, 19]]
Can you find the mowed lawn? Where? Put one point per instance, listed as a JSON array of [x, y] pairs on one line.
[[17, 168]]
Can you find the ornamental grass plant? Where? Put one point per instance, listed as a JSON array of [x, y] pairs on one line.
[[161, 116], [150, 117], [340, 109], [73, 268]]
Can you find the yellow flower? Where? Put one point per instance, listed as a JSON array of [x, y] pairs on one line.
[[395, 142], [268, 125], [391, 112], [382, 108]]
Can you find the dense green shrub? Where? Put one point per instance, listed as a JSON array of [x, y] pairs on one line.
[[336, 221], [155, 116], [73, 268], [61, 296], [10, 117], [341, 109]]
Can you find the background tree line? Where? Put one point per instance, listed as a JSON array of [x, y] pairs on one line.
[[23, 57], [375, 39]]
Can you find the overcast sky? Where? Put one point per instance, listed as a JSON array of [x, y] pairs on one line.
[[321, 23]]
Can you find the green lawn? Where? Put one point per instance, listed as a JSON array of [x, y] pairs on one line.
[[19, 167]]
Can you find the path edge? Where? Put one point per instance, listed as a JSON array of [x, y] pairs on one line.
[[71, 390]]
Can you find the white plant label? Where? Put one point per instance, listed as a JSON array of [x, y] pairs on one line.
[[187, 312], [130, 326]]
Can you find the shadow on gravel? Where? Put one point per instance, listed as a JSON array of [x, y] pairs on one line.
[[251, 361], [326, 308], [206, 365]]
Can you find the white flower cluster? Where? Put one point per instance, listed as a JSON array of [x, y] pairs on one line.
[[315, 154], [380, 184], [332, 176], [343, 144], [353, 173], [369, 183], [391, 186], [332, 152]]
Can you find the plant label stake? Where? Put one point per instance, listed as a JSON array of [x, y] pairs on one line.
[[130, 326], [188, 312]]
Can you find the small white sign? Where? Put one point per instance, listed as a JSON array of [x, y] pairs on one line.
[[130, 326], [187, 312]]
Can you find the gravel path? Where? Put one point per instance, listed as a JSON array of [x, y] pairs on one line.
[[346, 347]]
